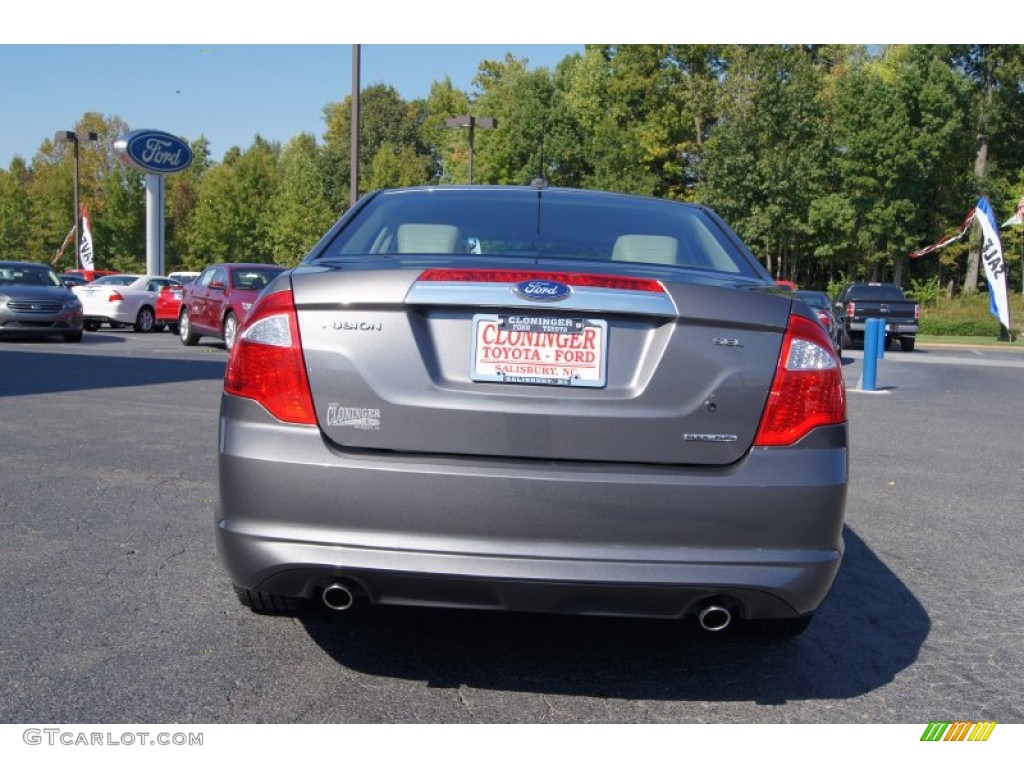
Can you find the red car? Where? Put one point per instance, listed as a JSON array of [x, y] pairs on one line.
[[215, 302], [168, 306], [168, 303]]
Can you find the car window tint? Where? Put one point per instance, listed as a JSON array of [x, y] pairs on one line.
[[115, 280], [876, 292], [553, 226], [253, 279]]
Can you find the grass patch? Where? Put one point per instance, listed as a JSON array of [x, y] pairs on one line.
[[967, 316], [976, 341]]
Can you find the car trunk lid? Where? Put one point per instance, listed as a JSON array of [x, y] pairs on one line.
[[433, 357]]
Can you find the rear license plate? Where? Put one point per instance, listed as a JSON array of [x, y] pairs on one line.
[[176, 294], [540, 349]]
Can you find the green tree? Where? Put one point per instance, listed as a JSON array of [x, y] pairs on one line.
[[300, 212], [384, 118], [765, 162], [14, 210], [536, 135], [447, 148], [995, 73], [231, 221], [181, 196], [119, 222]]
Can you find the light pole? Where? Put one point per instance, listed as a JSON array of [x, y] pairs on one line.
[[354, 149], [63, 137], [471, 122]]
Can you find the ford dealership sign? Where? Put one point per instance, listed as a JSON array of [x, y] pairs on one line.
[[154, 152]]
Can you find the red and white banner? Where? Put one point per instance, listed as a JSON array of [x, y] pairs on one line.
[[949, 240], [85, 259]]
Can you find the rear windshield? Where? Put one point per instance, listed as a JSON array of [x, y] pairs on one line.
[[814, 299], [547, 225], [115, 280], [883, 292]]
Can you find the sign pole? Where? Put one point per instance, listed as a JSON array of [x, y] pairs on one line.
[[154, 224]]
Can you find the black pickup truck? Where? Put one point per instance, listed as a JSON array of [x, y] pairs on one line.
[[861, 301]]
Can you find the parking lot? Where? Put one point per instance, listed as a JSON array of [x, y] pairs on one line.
[[116, 609]]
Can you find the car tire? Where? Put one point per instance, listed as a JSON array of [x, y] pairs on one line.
[[907, 344], [188, 338], [264, 602], [145, 321], [74, 338], [776, 629], [91, 325], [230, 330]]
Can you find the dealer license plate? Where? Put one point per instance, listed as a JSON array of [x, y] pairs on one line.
[[540, 349]]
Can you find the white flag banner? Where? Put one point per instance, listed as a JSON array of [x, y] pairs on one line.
[[995, 264], [85, 256]]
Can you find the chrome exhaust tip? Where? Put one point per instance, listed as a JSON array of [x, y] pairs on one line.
[[714, 618], [338, 597]]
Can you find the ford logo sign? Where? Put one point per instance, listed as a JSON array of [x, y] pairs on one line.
[[542, 290], [154, 152]]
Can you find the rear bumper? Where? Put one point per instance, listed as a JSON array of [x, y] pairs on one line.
[[574, 537], [897, 328]]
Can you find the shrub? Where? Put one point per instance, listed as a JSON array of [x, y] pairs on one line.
[[937, 326]]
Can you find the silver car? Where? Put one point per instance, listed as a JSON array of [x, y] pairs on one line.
[[35, 302], [534, 399]]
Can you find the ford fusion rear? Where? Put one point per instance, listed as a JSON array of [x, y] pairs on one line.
[[534, 400]]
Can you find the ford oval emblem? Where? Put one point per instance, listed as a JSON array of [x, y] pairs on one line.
[[542, 290], [154, 151]]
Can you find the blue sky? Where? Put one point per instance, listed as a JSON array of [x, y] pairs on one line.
[[228, 92], [231, 69]]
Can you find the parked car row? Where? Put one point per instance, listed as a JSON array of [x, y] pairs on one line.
[[35, 300], [221, 295]]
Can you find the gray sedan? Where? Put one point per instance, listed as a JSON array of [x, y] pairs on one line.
[[534, 399], [34, 302]]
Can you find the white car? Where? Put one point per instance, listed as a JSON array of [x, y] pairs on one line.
[[183, 277], [122, 300]]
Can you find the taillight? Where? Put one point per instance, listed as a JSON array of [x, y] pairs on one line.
[[266, 362], [115, 296], [808, 389], [849, 309], [917, 311], [825, 317], [575, 279]]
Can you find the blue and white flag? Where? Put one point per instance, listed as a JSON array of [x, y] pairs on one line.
[[85, 257], [991, 254], [995, 264]]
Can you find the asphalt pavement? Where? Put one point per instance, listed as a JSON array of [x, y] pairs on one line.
[[116, 610]]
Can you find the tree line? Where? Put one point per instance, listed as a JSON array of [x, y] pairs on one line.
[[832, 162]]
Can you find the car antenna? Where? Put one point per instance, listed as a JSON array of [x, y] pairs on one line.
[[540, 183]]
